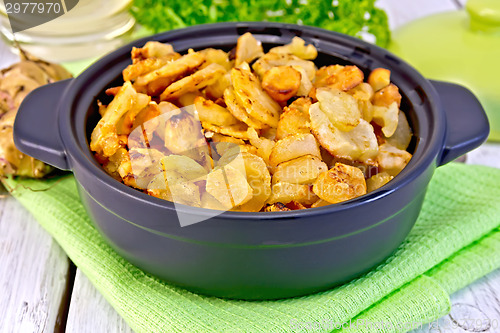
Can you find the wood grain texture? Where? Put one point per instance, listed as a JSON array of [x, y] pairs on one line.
[[33, 267], [33, 272], [90, 312]]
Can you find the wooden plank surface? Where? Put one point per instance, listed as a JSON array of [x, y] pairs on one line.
[[34, 269], [33, 273], [90, 312]]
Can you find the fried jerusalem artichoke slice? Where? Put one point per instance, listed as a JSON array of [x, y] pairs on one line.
[[284, 192], [294, 119], [229, 186], [341, 108], [270, 60], [250, 96], [391, 159], [339, 77], [209, 111], [298, 48], [293, 146], [151, 49], [402, 136], [379, 78], [341, 183], [247, 49], [301, 170], [259, 179], [387, 118], [104, 139], [281, 83], [377, 181], [386, 96], [194, 82], [240, 112], [155, 82], [359, 144]]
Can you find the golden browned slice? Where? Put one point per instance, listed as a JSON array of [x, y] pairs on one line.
[[147, 120], [156, 81], [306, 85], [238, 131], [184, 166], [359, 144], [158, 187], [379, 78], [183, 133], [221, 142], [148, 65], [286, 192], [270, 60], [247, 49], [298, 48], [250, 95], [341, 108], [276, 207], [391, 159], [136, 167], [320, 203], [340, 183], [363, 94], [294, 146], [281, 82], [301, 170], [194, 82], [340, 77], [209, 111], [146, 164], [377, 181], [240, 112], [216, 90], [263, 145], [229, 186], [386, 96], [259, 179], [216, 56], [210, 202], [104, 139], [294, 119], [151, 49], [183, 191], [387, 118], [402, 136]]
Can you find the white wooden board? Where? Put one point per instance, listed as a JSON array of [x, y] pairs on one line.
[[90, 312], [33, 272]]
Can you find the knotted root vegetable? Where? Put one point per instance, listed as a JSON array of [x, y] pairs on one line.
[[16, 82]]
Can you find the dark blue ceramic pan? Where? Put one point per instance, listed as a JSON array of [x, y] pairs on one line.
[[252, 255]]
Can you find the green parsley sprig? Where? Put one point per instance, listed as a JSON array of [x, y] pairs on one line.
[[359, 18]]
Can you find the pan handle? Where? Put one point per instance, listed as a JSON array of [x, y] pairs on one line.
[[36, 128], [467, 126]]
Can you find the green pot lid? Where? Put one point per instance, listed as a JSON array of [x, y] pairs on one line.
[[461, 47]]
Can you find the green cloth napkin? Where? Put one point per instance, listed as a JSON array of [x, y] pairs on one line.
[[455, 241]]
